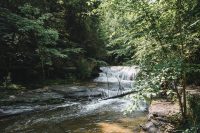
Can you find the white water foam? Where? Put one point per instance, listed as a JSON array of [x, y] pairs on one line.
[[113, 74]]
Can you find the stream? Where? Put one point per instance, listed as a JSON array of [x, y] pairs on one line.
[[75, 108]]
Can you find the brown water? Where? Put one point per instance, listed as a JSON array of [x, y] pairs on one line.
[[91, 115], [99, 120]]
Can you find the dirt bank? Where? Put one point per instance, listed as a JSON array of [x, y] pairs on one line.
[[159, 117]]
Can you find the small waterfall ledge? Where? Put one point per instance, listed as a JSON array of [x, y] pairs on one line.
[[115, 74], [120, 82], [122, 75]]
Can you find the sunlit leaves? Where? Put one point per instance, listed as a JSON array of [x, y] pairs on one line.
[[29, 11], [159, 35]]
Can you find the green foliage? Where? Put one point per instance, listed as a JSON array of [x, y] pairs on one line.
[[84, 69], [146, 31], [41, 38], [162, 37], [87, 67], [16, 87], [191, 130], [194, 109], [137, 100]]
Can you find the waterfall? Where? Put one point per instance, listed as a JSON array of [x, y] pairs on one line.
[[115, 74], [117, 78]]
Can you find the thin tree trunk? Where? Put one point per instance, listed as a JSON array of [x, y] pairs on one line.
[[179, 100], [183, 73], [120, 86], [43, 71], [42, 64], [184, 96]]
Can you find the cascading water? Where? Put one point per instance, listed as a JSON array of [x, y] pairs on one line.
[[115, 73], [117, 78], [87, 114]]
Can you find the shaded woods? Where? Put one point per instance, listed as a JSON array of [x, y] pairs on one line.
[[48, 40]]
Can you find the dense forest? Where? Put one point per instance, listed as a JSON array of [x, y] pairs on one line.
[[42, 40], [48, 40]]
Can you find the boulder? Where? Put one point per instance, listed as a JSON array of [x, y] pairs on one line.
[[150, 127]]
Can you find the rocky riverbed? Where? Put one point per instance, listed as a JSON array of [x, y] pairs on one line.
[[74, 108], [49, 109]]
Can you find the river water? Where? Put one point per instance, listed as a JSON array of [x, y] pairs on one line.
[[79, 108]]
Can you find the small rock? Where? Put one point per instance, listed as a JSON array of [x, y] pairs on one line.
[[12, 97], [46, 88], [150, 127], [156, 123], [161, 119], [150, 116], [153, 130]]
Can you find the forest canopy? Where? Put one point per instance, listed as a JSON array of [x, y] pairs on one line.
[[48, 39]]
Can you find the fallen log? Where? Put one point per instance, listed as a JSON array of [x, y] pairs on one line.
[[121, 95]]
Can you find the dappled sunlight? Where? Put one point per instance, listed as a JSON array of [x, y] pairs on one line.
[[124, 125], [132, 122], [114, 128]]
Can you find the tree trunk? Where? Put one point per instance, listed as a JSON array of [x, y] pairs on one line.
[[42, 63], [121, 95], [179, 100], [179, 7], [184, 97], [43, 71]]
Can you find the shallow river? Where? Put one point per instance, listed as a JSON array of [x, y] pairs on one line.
[[80, 115]]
